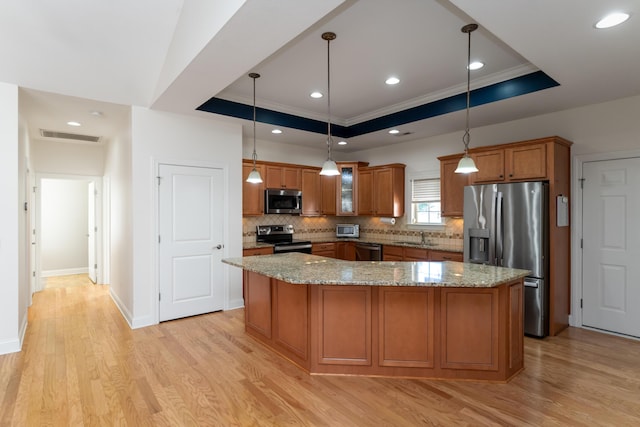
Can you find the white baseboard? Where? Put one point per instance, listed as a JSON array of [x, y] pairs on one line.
[[123, 309], [65, 272], [235, 304]]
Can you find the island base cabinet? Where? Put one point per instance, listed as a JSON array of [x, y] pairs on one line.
[[420, 332]]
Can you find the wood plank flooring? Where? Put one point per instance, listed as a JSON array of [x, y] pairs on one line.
[[81, 365]]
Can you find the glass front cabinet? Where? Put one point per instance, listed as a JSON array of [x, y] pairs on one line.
[[347, 188]]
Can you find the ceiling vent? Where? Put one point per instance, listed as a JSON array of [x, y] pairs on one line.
[[403, 134], [70, 136]]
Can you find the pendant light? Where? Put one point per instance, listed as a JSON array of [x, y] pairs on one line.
[[254, 176], [329, 167], [466, 164]]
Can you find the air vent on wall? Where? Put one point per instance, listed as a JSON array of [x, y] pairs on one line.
[[72, 136]]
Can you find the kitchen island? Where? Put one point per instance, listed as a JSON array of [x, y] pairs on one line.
[[445, 320]]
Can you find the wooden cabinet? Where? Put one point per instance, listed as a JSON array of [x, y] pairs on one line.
[[252, 194], [392, 253], [524, 162], [452, 187], [445, 256], [346, 251], [381, 190], [416, 254], [257, 251], [490, 166], [318, 193], [283, 177], [365, 191], [409, 253], [347, 188], [324, 249]]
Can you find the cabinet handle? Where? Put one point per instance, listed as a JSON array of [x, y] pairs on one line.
[[510, 175], [501, 176], [446, 257]]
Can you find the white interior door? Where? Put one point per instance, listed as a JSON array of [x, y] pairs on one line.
[[191, 241], [611, 246], [91, 232]]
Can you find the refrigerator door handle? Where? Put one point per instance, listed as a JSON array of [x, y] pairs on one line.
[[499, 229]]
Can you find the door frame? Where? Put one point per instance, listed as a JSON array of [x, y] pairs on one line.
[[575, 319], [101, 237], [155, 253]]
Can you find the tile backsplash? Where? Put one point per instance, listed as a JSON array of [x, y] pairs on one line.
[[320, 228]]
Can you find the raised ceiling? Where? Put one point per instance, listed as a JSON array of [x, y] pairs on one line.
[[175, 55]]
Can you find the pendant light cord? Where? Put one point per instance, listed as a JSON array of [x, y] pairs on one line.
[[328, 37], [254, 76], [466, 138]]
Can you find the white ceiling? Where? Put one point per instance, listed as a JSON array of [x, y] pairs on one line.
[[71, 58]]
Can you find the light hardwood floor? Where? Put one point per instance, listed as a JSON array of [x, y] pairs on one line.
[[82, 365]]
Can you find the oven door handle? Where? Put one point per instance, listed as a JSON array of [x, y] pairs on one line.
[[289, 248]]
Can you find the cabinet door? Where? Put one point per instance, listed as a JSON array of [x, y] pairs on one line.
[[445, 256], [452, 188], [257, 251], [324, 249], [388, 191], [346, 251], [383, 192], [365, 192], [347, 190], [328, 195], [527, 162], [283, 177], [490, 166], [416, 254], [252, 194], [392, 253], [291, 178], [311, 192]]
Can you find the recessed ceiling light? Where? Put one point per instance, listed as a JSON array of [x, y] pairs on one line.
[[96, 113], [316, 95], [392, 81], [612, 20], [476, 65], [276, 131], [74, 124], [394, 131], [342, 142]]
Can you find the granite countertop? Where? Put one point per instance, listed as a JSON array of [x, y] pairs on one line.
[[255, 245], [306, 269]]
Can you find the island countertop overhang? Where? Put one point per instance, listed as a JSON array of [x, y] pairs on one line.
[[297, 268]]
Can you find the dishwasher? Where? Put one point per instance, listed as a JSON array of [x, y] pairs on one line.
[[368, 252]]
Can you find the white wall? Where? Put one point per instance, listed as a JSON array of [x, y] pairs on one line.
[[9, 222], [119, 220], [64, 225], [159, 137], [271, 151], [68, 158]]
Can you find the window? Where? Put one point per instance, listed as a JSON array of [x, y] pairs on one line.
[[425, 202]]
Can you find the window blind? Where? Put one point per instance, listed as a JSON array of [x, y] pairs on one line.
[[425, 190]]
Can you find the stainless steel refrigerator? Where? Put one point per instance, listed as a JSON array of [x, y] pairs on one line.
[[507, 225]]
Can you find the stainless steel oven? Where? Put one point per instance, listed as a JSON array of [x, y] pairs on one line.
[[281, 237]]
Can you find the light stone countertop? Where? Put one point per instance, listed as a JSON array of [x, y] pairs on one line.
[[254, 245], [306, 269]]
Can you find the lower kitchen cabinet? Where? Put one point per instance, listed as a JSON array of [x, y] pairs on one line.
[[257, 251], [445, 256], [392, 253], [324, 249], [346, 251]]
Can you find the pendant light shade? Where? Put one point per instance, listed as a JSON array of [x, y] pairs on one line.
[[329, 167], [466, 164], [254, 176]]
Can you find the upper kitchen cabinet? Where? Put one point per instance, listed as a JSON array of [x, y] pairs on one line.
[[451, 186], [252, 194], [347, 188], [521, 161], [318, 193], [382, 190], [283, 176]]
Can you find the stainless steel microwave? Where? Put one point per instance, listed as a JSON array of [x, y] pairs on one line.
[[347, 230], [277, 201]]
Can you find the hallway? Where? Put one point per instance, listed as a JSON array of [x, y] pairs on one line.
[[82, 365]]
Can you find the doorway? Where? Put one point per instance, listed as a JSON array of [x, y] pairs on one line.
[[611, 248], [67, 234]]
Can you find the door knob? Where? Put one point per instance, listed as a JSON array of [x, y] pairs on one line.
[[219, 247]]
